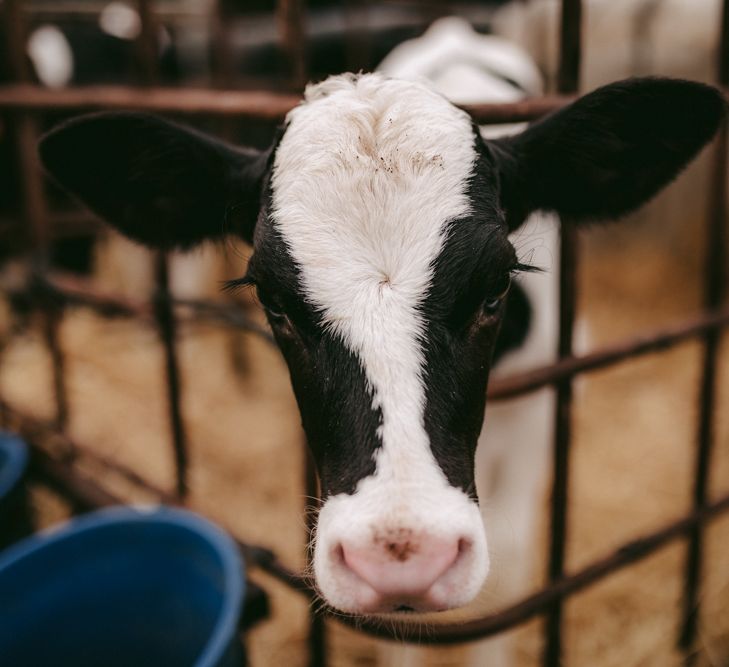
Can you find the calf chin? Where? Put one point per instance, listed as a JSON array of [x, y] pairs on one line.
[[400, 547]]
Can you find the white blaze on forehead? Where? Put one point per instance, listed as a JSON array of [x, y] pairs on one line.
[[366, 178]]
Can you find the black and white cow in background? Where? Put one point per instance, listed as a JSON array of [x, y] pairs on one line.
[[512, 454], [380, 223]]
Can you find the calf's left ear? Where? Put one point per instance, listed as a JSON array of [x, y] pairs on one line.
[[159, 183], [608, 152]]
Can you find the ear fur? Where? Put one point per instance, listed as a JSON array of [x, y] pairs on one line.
[[608, 152], [162, 184]]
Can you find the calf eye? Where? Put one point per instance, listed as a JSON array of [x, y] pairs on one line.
[[492, 304], [274, 312], [275, 315]]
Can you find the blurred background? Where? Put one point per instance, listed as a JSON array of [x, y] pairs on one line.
[[119, 364]]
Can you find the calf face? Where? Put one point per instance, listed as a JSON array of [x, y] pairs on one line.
[[379, 221]]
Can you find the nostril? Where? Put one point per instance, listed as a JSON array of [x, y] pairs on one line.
[[401, 551], [464, 546], [401, 567]]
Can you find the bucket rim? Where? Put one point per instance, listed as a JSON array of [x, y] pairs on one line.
[[232, 565], [17, 461]]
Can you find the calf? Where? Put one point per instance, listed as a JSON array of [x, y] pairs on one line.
[[379, 221]]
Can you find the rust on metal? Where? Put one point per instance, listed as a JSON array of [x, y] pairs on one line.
[[568, 82], [715, 255], [242, 104], [87, 493]]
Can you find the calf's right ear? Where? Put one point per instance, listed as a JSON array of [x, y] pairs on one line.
[[159, 183]]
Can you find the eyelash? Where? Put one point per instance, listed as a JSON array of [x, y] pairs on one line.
[[247, 282]]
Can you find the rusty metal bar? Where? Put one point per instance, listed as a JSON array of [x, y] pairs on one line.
[[656, 341], [192, 101], [69, 290], [714, 291], [163, 311], [165, 318], [568, 82], [570, 47], [85, 492], [536, 604], [33, 207], [292, 33], [147, 43], [242, 104], [79, 292]]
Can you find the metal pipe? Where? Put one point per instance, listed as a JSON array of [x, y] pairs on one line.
[[34, 211], [292, 35], [206, 102], [84, 491], [568, 82], [165, 318], [714, 292], [78, 292]]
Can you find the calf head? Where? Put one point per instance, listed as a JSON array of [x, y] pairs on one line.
[[379, 221]]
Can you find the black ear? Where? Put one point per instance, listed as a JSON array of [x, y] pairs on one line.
[[159, 183], [608, 152]]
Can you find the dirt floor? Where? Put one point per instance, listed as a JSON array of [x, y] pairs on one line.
[[632, 457]]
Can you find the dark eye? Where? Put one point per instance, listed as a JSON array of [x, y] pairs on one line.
[[275, 315], [492, 304], [273, 310]]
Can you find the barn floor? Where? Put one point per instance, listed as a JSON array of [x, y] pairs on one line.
[[632, 455]]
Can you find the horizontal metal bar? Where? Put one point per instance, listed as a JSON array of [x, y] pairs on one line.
[[243, 104], [80, 292], [536, 604], [255, 104], [77, 291], [86, 492], [34, 427], [654, 341]]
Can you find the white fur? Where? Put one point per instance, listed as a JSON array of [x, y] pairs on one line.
[[366, 178]]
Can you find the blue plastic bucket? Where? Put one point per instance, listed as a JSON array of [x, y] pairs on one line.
[[123, 587], [14, 512]]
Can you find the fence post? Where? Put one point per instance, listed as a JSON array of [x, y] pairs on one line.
[[568, 82], [715, 258], [34, 212], [163, 311]]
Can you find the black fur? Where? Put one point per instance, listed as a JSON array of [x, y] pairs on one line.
[[328, 380], [159, 183], [610, 151], [169, 186], [472, 268]]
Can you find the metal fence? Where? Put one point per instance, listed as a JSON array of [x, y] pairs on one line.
[[50, 293]]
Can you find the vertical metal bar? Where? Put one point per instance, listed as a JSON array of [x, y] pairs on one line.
[[222, 71], [168, 333], [222, 74], [568, 82], [163, 310], [147, 42], [290, 18], [714, 287], [17, 63], [317, 625], [33, 206]]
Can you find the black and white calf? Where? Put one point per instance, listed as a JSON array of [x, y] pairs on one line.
[[379, 222]]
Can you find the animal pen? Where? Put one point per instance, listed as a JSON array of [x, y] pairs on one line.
[[50, 293]]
